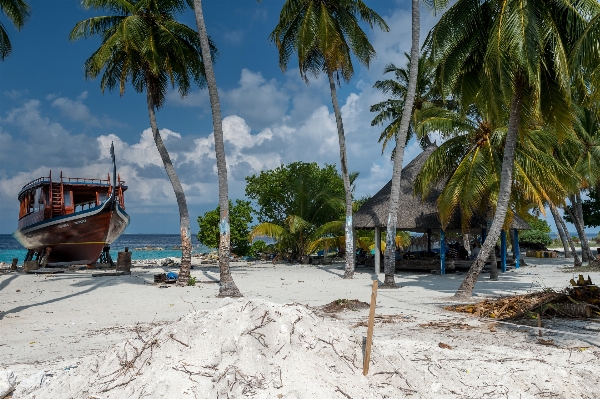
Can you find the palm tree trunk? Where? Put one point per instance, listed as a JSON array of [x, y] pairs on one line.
[[389, 267], [584, 241], [227, 285], [584, 248], [508, 161], [184, 218], [561, 231], [577, 222], [493, 261], [576, 260], [493, 265], [349, 272]]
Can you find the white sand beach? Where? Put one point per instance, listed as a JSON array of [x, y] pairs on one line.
[[68, 329]]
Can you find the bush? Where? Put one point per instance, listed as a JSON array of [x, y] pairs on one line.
[[257, 247], [535, 236]]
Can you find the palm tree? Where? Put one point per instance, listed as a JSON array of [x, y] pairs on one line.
[[227, 285], [143, 43], [18, 12], [427, 95], [324, 34], [469, 163], [516, 53], [586, 162], [390, 251]]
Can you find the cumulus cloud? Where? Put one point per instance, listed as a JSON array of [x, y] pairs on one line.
[[76, 110], [260, 102]]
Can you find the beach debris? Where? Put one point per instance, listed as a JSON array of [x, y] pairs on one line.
[[8, 382], [160, 278], [581, 300], [340, 305], [386, 319], [444, 346]]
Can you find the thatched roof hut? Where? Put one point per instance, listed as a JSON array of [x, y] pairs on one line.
[[414, 214]]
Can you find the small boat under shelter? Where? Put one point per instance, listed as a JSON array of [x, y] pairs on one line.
[[71, 220]]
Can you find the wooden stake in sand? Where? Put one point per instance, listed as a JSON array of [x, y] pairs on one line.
[[370, 328]]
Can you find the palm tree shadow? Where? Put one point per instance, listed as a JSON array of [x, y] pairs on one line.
[[7, 282], [84, 282], [331, 269]]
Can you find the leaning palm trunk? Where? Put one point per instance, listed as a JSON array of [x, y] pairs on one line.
[[493, 265], [184, 218], [493, 261], [584, 248], [349, 272], [390, 242], [576, 260], [586, 252], [466, 287], [561, 232], [227, 285]]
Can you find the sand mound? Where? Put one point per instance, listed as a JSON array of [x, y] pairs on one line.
[[247, 348]]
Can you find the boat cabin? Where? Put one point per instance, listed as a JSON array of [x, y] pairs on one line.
[[44, 199]]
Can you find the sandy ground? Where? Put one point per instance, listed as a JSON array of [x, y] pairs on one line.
[[52, 322]]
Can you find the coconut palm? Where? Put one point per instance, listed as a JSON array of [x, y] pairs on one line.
[[390, 251], [390, 111], [141, 42], [586, 162], [17, 11], [469, 166], [516, 53], [325, 34], [227, 285]]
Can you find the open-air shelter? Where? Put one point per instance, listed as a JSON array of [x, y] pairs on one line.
[[416, 215]]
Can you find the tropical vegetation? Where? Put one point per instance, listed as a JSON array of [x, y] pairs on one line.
[[300, 206]]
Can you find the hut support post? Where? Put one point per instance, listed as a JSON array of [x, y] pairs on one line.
[[377, 250], [428, 240], [503, 251], [442, 252], [354, 245], [517, 249]]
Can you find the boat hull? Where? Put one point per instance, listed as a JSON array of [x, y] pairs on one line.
[[77, 238]]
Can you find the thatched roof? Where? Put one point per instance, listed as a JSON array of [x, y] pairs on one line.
[[414, 215]]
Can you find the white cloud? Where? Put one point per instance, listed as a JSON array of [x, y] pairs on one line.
[[16, 94], [234, 37], [260, 102], [76, 110]]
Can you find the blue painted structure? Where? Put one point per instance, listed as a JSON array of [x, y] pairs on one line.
[[442, 252], [503, 251], [516, 247]]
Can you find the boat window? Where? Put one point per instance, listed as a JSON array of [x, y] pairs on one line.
[[39, 200], [102, 197], [67, 198]]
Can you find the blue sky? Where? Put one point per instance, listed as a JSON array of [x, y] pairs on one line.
[[51, 118]]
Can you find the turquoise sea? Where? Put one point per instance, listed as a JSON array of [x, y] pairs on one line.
[[10, 248]]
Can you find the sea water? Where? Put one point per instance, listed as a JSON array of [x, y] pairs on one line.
[[169, 243]]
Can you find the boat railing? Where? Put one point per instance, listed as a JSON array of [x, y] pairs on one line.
[[36, 182]]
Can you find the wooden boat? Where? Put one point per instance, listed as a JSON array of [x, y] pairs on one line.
[[72, 220]]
